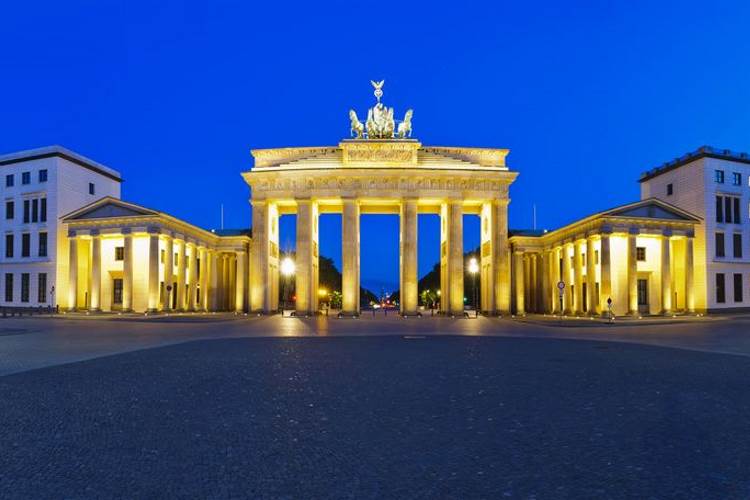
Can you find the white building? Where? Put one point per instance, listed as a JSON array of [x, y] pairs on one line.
[[712, 184], [38, 187]]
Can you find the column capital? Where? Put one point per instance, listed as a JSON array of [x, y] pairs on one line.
[[667, 232], [634, 231], [94, 233]]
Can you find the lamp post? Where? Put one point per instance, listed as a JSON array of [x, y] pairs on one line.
[[474, 269], [287, 270]]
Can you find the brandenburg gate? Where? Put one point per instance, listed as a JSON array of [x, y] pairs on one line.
[[381, 170]]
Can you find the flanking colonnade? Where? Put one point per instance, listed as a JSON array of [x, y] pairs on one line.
[[641, 256], [122, 257]]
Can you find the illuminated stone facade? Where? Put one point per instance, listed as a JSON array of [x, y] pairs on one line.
[[389, 176], [124, 257], [641, 256]]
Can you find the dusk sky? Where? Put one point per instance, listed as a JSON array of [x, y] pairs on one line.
[[586, 95]]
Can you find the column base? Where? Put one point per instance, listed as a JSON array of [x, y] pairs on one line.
[[151, 310]]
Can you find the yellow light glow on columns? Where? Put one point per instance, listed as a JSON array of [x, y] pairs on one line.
[[350, 250], [689, 278], [127, 272], [153, 272], [72, 272], [632, 272], [168, 273], [456, 256], [605, 268], [666, 273], [518, 271], [408, 257], [95, 283], [592, 301]]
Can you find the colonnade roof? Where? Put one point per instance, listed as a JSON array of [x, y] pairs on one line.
[[112, 212], [650, 212]]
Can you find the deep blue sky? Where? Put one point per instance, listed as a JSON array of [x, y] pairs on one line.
[[586, 95]]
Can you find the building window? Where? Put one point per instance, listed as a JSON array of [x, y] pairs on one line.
[[736, 210], [43, 210], [25, 245], [26, 211], [161, 256], [34, 210], [8, 287], [720, 297], [41, 294], [117, 291], [25, 277], [10, 208], [737, 287], [719, 176], [719, 209], [26, 178], [198, 268], [9, 180], [736, 179], [719, 240], [583, 259], [640, 254], [596, 256], [670, 190], [737, 245], [572, 261], [43, 175], [92, 190], [9, 246], [119, 253], [42, 244], [728, 210]]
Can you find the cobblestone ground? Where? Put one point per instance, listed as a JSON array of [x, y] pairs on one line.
[[380, 417]]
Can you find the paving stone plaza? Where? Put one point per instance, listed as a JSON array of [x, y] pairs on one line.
[[267, 407]]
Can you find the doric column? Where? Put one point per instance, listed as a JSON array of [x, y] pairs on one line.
[[689, 270], [127, 271], [456, 257], [605, 270], [239, 282], [72, 271], [307, 257], [153, 272], [192, 276], [577, 277], [181, 277], [213, 286], [350, 256], [519, 279], [632, 272], [568, 296], [264, 256], [203, 278], [666, 273], [223, 281], [533, 280], [169, 288], [554, 273], [592, 301], [545, 282], [502, 257], [95, 277], [408, 257]]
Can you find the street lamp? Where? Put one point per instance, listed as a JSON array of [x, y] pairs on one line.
[[287, 270], [474, 269]]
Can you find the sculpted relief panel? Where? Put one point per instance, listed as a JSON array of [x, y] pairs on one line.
[[374, 186]]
